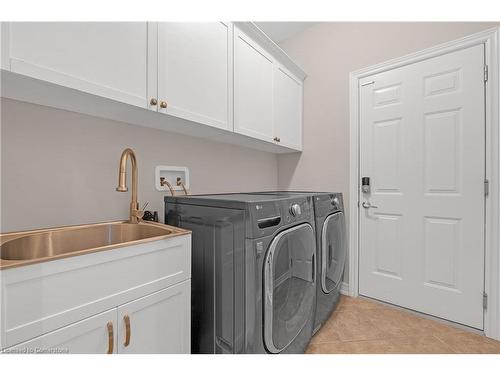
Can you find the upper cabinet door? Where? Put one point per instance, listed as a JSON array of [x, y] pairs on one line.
[[253, 88], [195, 71], [108, 59], [287, 108]]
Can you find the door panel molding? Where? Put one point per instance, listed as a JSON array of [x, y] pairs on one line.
[[444, 83]]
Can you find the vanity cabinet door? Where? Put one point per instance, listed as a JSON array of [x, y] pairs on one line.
[[287, 108], [107, 59], [159, 323], [195, 71], [94, 335], [253, 88]]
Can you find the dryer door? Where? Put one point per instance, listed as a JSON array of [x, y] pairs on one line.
[[289, 286], [333, 251]]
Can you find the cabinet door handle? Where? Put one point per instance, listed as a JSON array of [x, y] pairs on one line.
[[276, 139], [111, 338], [153, 101], [163, 104], [126, 320]]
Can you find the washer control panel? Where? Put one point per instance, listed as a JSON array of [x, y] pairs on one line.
[[297, 209], [268, 216]]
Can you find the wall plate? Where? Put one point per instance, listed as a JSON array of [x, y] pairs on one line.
[[171, 173]]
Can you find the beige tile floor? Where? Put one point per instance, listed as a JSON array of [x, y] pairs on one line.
[[361, 326]]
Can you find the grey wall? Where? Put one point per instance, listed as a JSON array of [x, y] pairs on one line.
[[61, 168], [328, 52]]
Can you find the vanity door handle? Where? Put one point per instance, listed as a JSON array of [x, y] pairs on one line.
[[126, 320], [111, 338]]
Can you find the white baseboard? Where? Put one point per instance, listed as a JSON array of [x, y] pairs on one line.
[[344, 288]]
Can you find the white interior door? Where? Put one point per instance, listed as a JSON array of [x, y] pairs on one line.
[[422, 144]]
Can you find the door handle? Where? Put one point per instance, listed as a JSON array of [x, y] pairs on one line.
[[126, 320], [269, 286], [313, 269], [368, 205], [111, 338]]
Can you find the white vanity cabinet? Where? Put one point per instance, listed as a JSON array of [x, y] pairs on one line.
[[93, 335], [133, 299], [157, 323], [194, 71], [107, 59]]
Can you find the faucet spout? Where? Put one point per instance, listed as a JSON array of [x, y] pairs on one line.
[[135, 213]]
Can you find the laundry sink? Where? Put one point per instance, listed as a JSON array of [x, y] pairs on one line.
[[60, 242]]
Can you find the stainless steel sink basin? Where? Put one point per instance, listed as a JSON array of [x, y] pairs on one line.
[[63, 241]]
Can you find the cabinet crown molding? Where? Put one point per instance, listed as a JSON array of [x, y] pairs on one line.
[[253, 31]]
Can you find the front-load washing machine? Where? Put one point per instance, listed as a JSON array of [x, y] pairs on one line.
[[253, 287], [331, 248]]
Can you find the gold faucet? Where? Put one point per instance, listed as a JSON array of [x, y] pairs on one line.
[[135, 214]]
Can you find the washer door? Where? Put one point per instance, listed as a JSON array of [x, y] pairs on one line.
[[289, 286], [333, 251]]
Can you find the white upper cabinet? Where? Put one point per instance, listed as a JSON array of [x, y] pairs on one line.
[[195, 71], [4, 46], [103, 58], [287, 108], [228, 80], [253, 88], [267, 96]]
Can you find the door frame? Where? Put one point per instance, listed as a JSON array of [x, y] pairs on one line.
[[490, 39]]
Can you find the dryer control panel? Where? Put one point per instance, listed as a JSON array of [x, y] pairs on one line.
[[325, 204]]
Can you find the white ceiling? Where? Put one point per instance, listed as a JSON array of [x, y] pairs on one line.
[[279, 31]]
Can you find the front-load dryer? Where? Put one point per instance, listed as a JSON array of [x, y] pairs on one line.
[[254, 269], [331, 248]]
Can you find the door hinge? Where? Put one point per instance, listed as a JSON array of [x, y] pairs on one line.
[[486, 73], [486, 187], [485, 300]]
